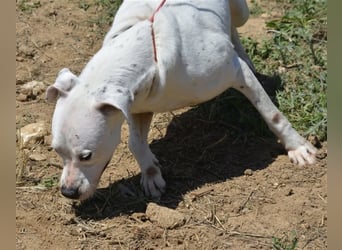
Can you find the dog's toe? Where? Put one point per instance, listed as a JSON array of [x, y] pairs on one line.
[[305, 154], [153, 183]]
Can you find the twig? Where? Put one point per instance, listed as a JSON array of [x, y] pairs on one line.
[[324, 200], [246, 201], [38, 187], [200, 194], [294, 65], [234, 233], [109, 228], [219, 222], [59, 166], [39, 48]]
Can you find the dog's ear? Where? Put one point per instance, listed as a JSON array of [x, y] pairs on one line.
[[64, 83], [118, 98]]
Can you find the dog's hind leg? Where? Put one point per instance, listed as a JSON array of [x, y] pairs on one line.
[[299, 150], [151, 178]]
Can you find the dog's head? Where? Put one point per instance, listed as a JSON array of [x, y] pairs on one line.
[[86, 128]]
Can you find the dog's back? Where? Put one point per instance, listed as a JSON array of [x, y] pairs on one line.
[[132, 11], [193, 45]]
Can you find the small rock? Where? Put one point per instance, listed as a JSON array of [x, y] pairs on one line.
[[33, 133], [265, 15], [305, 226], [48, 140], [275, 13], [248, 172], [281, 70], [289, 192], [19, 59], [21, 97], [33, 89], [37, 157], [318, 185], [165, 217], [52, 13], [139, 216]]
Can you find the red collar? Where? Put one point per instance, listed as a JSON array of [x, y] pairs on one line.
[[151, 19]]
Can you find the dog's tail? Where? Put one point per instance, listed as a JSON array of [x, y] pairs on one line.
[[239, 12]]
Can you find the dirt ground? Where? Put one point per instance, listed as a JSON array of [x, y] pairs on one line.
[[232, 194]]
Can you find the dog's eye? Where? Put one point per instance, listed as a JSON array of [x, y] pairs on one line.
[[85, 156]]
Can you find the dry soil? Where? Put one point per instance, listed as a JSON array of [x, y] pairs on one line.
[[242, 194]]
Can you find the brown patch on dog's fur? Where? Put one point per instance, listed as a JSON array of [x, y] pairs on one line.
[[276, 118]]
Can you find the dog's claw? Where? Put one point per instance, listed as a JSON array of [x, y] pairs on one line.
[[153, 183], [303, 154]]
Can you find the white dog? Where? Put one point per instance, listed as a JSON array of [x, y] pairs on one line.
[[158, 56]]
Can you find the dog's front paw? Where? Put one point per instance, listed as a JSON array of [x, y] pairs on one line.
[[303, 154], [152, 182]]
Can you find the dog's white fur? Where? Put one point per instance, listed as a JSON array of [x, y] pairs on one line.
[[196, 62]]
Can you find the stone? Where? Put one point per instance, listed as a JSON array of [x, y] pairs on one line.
[[248, 172], [37, 157], [289, 192], [33, 133], [265, 15], [21, 97], [48, 140], [33, 89], [165, 217], [281, 70]]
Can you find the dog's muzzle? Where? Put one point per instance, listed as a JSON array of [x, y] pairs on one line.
[[70, 192], [73, 192]]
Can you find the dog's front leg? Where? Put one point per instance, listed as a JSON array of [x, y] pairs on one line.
[[151, 178], [300, 151]]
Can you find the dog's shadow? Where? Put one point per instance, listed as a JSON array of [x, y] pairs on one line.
[[210, 143]]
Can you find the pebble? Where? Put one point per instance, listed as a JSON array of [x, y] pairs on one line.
[[21, 97], [248, 172], [48, 140], [281, 70], [165, 217], [289, 192], [265, 15], [33, 133], [31, 90], [37, 157]]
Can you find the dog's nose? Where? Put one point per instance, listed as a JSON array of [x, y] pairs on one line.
[[70, 192]]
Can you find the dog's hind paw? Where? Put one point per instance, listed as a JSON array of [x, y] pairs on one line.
[[304, 154], [152, 182]]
